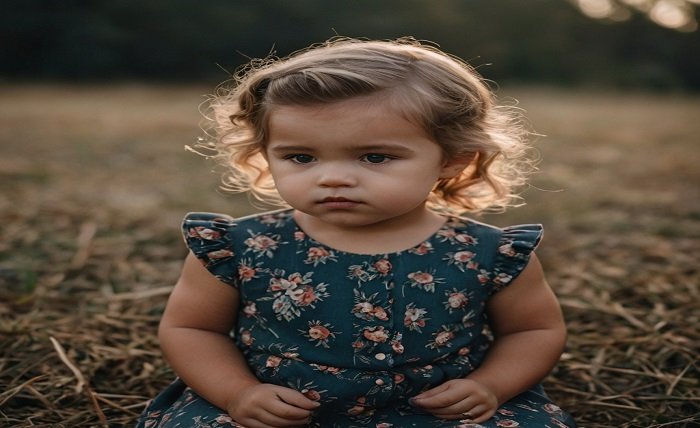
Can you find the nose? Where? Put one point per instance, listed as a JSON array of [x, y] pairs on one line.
[[335, 174]]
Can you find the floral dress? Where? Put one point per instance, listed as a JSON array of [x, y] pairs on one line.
[[359, 333]]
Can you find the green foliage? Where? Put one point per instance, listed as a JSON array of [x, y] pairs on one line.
[[538, 41]]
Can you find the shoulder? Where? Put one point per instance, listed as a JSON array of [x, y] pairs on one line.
[[528, 235], [504, 251], [201, 224], [216, 239]]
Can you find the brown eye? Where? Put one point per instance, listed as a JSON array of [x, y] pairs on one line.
[[376, 158], [300, 159]]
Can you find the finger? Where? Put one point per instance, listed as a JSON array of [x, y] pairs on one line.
[[432, 391], [287, 411], [466, 405], [439, 399], [482, 413], [296, 399]]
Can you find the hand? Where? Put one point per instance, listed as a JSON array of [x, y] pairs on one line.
[[267, 406], [458, 399]]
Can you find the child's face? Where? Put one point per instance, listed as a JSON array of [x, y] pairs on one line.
[[352, 163]]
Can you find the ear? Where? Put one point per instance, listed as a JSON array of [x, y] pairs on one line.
[[454, 166]]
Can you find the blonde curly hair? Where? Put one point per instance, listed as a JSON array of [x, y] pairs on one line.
[[439, 92]]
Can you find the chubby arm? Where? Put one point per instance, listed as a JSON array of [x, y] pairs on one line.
[[529, 335], [194, 336]]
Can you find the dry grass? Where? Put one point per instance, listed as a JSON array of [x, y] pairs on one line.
[[94, 182]]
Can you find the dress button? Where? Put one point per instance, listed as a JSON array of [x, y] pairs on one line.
[[380, 356], [379, 382]]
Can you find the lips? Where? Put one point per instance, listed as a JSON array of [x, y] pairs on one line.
[[338, 202], [336, 199]]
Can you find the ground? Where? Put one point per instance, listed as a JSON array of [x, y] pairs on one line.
[[95, 180]]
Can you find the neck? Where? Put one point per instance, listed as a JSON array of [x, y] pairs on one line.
[[387, 236]]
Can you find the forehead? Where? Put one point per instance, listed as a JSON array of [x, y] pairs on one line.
[[365, 117]]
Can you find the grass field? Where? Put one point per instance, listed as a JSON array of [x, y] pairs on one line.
[[94, 182]]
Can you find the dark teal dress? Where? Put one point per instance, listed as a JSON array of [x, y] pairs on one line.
[[359, 333]]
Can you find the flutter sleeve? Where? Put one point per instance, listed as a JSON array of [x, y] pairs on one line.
[[513, 254], [210, 237]]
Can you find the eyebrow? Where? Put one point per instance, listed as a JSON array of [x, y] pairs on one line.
[[288, 148], [281, 147]]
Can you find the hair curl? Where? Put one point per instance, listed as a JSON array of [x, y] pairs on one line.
[[437, 91]]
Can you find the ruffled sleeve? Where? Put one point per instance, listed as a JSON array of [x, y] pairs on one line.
[[513, 254], [210, 238]]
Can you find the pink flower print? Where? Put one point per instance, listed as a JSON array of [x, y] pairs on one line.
[[384, 425], [483, 276], [219, 254], [375, 334], [447, 234], [224, 419], [422, 249], [277, 220], [246, 273], [307, 297], [273, 361], [507, 423], [281, 284], [316, 255], [247, 338], [457, 300], [249, 310], [442, 338], [380, 313], [359, 273], [261, 245], [463, 256], [421, 277], [357, 345], [326, 369], [414, 318], [202, 232], [383, 266], [363, 309], [559, 423], [397, 346], [502, 279], [320, 333], [507, 249], [423, 280], [466, 239], [293, 294], [299, 235], [290, 355], [552, 408], [399, 378], [505, 412], [297, 278], [463, 260]]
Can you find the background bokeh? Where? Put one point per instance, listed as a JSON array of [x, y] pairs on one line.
[[99, 98], [538, 41]]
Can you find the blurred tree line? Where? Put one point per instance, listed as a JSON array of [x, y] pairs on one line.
[[533, 41]]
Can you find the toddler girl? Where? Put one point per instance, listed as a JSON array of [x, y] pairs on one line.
[[368, 300]]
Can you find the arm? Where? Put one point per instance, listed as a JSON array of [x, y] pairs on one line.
[[194, 336], [529, 338]]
